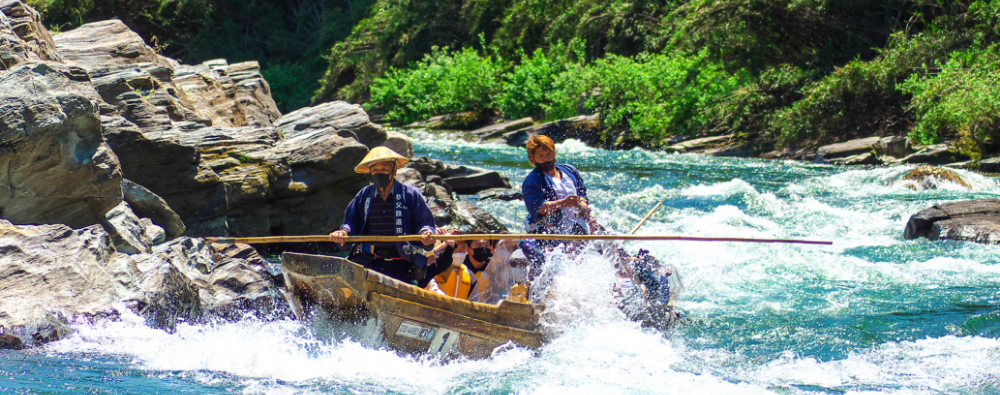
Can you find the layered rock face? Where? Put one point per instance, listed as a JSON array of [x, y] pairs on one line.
[[208, 139], [130, 153], [56, 165]]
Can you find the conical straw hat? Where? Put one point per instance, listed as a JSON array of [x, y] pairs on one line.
[[380, 154]]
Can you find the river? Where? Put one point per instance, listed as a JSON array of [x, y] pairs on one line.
[[872, 312]]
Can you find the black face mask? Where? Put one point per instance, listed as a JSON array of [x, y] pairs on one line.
[[545, 167], [381, 180], [482, 254]]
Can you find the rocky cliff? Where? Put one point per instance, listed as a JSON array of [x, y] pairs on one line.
[[114, 159]]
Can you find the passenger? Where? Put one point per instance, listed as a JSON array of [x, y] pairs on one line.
[[459, 280], [554, 193], [498, 277], [389, 208]]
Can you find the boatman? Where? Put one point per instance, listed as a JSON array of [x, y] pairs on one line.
[[389, 208]]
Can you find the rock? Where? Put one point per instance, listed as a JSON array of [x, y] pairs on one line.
[[10, 342], [51, 273], [60, 170], [480, 221], [230, 95], [698, 144], [457, 121], [147, 204], [400, 143], [341, 118], [23, 37], [128, 233], [971, 220], [889, 149], [933, 155], [193, 190], [228, 286], [410, 176], [496, 130], [503, 194], [473, 180], [928, 177], [586, 128], [104, 45], [156, 234], [426, 165], [990, 165], [847, 149]]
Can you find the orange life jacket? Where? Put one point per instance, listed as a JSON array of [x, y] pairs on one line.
[[454, 284]]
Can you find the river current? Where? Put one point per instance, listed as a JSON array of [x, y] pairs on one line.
[[871, 313]]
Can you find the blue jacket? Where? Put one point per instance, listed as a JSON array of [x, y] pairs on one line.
[[412, 217], [537, 190]]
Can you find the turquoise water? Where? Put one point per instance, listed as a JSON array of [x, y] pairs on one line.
[[871, 313]]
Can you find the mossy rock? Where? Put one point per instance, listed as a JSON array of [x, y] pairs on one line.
[[923, 177]]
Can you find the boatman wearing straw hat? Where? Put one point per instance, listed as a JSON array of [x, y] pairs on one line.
[[389, 208]]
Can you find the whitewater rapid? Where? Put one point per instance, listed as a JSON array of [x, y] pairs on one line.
[[871, 313]]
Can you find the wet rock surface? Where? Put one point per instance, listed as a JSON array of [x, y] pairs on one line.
[[971, 220], [53, 275]]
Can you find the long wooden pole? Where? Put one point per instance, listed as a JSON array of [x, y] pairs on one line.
[[646, 217], [470, 237]]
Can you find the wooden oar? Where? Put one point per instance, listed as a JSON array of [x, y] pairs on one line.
[[646, 217], [470, 237]]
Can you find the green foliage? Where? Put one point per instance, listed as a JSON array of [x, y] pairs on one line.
[[658, 96], [399, 32], [860, 99], [814, 34], [528, 89], [441, 83], [748, 110], [961, 99]]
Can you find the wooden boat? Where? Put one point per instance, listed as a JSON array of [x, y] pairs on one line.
[[412, 319]]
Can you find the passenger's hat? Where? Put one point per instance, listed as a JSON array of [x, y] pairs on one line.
[[380, 154]]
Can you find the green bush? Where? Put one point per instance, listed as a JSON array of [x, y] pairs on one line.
[[961, 99], [860, 99], [656, 96], [527, 89], [441, 83]]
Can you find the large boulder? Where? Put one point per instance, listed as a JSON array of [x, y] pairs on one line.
[[971, 220], [58, 167], [51, 275]]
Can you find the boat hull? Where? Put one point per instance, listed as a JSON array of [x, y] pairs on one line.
[[412, 319]]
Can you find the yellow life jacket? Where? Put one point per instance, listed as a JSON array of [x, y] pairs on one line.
[[453, 285], [518, 293]]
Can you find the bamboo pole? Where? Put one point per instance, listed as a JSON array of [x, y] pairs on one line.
[[471, 237], [646, 217]]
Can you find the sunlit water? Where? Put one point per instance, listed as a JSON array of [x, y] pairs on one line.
[[872, 313]]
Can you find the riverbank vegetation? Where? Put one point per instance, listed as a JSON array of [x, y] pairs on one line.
[[773, 73]]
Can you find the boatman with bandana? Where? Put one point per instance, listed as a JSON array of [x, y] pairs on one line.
[[389, 208]]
